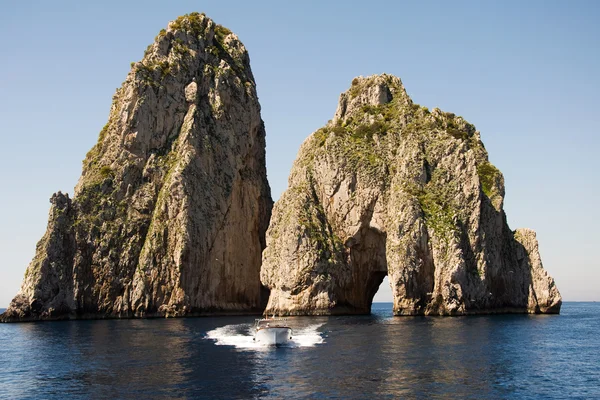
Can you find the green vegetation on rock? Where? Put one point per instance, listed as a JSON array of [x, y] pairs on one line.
[[220, 33], [162, 33], [192, 23], [488, 174], [439, 214], [313, 220], [106, 172], [152, 72]]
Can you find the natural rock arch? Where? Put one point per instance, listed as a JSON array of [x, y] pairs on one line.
[[367, 259], [388, 187]]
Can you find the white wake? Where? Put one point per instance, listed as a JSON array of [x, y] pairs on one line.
[[241, 337]]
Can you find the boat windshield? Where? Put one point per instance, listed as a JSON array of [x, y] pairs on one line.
[[270, 322]]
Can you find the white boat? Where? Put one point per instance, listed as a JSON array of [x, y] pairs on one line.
[[272, 331]]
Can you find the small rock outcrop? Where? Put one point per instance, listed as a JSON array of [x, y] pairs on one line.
[[390, 188], [170, 213]]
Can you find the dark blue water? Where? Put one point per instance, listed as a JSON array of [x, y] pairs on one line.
[[379, 356]]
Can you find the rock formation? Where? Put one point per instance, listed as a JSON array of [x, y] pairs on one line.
[[390, 188], [170, 213]]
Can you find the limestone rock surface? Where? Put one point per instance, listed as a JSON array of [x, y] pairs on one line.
[[170, 213], [390, 188]]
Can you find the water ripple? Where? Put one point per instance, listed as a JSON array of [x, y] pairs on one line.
[[377, 356]]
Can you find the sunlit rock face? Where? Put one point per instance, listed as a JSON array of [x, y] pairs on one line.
[[390, 188], [170, 213]]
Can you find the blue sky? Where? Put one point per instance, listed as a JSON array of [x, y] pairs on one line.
[[525, 73]]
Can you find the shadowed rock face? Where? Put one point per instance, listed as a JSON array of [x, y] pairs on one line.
[[389, 188], [170, 213]]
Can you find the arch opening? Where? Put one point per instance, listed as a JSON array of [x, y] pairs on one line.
[[369, 264], [384, 292], [374, 284]]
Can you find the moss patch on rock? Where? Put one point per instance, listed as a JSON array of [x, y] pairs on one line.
[[488, 175]]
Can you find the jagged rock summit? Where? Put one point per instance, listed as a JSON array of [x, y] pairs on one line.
[[390, 188], [170, 213]]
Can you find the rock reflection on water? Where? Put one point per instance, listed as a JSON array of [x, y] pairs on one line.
[[378, 356], [492, 357], [113, 359], [137, 354]]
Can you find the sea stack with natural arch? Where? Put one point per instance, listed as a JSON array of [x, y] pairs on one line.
[[170, 215], [388, 187]]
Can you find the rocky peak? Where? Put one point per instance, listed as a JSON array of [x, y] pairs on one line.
[[171, 209], [372, 91], [192, 60]]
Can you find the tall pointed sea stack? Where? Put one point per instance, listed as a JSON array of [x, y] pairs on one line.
[[389, 188], [170, 213]]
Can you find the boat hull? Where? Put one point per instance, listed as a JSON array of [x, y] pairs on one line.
[[273, 336]]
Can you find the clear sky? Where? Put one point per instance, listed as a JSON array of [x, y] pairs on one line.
[[526, 73]]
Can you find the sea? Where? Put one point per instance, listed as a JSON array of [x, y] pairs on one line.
[[351, 357]]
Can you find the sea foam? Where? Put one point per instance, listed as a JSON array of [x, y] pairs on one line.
[[241, 337]]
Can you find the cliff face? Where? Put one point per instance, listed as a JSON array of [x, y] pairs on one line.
[[389, 188], [170, 213]]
